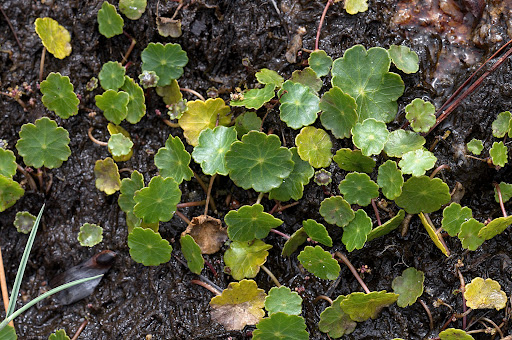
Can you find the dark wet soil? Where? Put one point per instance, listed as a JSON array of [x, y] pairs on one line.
[[134, 301]]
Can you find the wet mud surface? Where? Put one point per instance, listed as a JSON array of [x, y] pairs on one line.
[[133, 301]]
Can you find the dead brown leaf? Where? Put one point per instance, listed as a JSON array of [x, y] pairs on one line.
[[208, 233]]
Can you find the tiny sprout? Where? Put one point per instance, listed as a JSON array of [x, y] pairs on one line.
[[91, 84], [237, 95], [148, 79], [176, 110], [323, 177]]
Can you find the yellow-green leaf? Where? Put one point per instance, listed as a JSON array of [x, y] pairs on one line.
[[54, 37], [486, 294]]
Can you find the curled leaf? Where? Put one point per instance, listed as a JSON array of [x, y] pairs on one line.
[[485, 294], [208, 233]]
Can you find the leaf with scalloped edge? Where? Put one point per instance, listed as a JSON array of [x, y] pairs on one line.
[[358, 189], [307, 77], [110, 23], [365, 76], [293, 185], [24, 221], [90, 235], [499, 154], [421, 114], [157, 202], [360, 306], [58, 95], [43, 144], [387, 227], [269, 77], [495, 227], [246, 122], [55, 37], [370, 136], [475, 146], [243, 259], [356, 232], [401, 141], [299, 105], [211, 151], [468, 234], [259, 162], [334, 321], [335, 210], [390, 179], [506, 192], [137, 101], [107, 176], [255, 98], [454, 334], [423, 194], [500, 126], [239, 305], [339, 113], [453, 217], [408, 286], [148, 247], [167, 61], [320, 62], [128, 188], [434, 235], [356, 6], [7, 163], [485, 294], [192, 253], [314, 146], [173, 160], [417, 162], [281, 326], [10, 192], [59, 334], [319, 262], [119, 145], [404, 58], [294, 242], [201, 115], [250, 222], [114, 105], [133, 9], [111, 75], [171, 93], [317, 232], [282, 299], [353, 160]]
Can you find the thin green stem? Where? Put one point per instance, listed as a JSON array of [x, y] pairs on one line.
[[260, 196]]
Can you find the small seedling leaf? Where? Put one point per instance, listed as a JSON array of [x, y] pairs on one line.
[[294, 242], [334, 321], [148, 247], [167, 61], [119, 145], [149, 79], [281, 326], [505, 189], [317, 232], [417, 162], [356, 6], [7, 163], [243, 259], [54, 37], [339, 113], [128, 188], [111, 75], [454, 334], [58, 95], [353, 160], [133, 222], [404, 58], [390, 179], [269, 77], [10, 192], [24, 221], [320, 62], [401, 141], [421, 114], [173, 160], [171, 94], [133, 9], [319, 262], [500, 126], [250, 222], [259, 162], [423, 194], [365, 76], [90, 235], [359, 189], [157, 202], [468, 234], [202, 115], [58, 335], [192, 253], [360, 306], [110, 23], [335, 210], [453, 217], [499, 154], [293, 185], [408, 286], [43, 144], [208, 233], [210, 153], [314, 146], [485, 294], [356, 232], [495, 227], [107, 176], [475, 146], [434, 236], [239, 305], [136, 103], [299, 105], [282, 299], [322, 177], [255, 98], [387, 227], [370, 136], [246, 122], [114, 105], [307, 77]]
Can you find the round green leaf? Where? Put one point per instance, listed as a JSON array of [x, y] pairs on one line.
[[107, 176], [404, 59], [500, 125], [114, 105], [365, 76], [401, 141], [282, 299], [485, 294], [506, 192], [359, 189], [43, 144], [54, 37], [173, 160], [192, 253], [157, 202], [499, 154], [167, 61], [111, 75], [390, 179], [417, 162], [356, 232], [149, 79], [475, 146], [339, 113], [246, 122], [255, 98], [314, 146], [370, 136], [299, 106], [422, 194], [90, 235], [24, 221], [387, 227], [58, 95], [259, 162], [334, 321], [10, 192], [421, 114], [453, 217], [408, 286], [119, 145], [250, 222], [148, 247], [454, 334], [468, 235], [495, 227], [110, 23], [360, 306], [281, 326], [320, 62], [7, 163], [294, 242], [128, 188], [269, 77], [307, 77], [243, 259], [319, 262], [356, 6], [353, 160], [212, 149], [133, 9], [317, 232], [60, 334], [335, 210]]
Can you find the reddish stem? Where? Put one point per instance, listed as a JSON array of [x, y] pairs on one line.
[[12, 28], [353, 270], [320, 24], [376, 212], [431, 321], [190, 204], [280, 233], [439, 168], [322, 297], [195, 93], [206, 285], [284, 207], [211, 268], [462, 289], [183, 217], [498, 190], [208, 195], [80, 329]]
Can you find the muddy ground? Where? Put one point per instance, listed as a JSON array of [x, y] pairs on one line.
[[133, 301]]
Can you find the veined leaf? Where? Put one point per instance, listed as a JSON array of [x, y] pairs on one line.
[[157, 202], [334, 321], [148, 247], [54, 37], [243, 259], [58, 95], [281, 326], [211, 151], [335, 210], [319, 262], [356, 232], [408, 286], [339, 113], [314, 146], [107, 176], [167, 61], [390, 179], [359, 189], [110, 23], [404, 58], [250, 222], [173, 160], [282, 299], [353, 160], [299, 105]]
